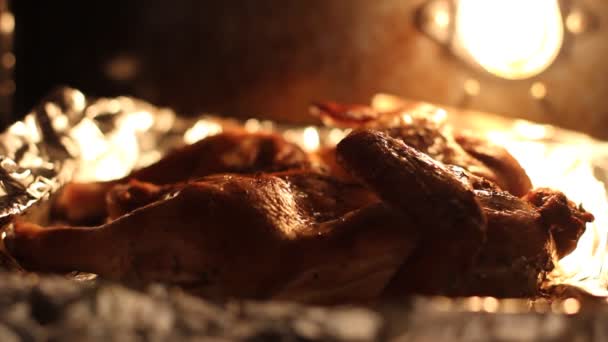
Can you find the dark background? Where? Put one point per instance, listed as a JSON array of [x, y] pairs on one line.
[[272, 58], [67, 42]]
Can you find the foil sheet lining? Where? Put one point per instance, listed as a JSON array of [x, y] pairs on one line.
[[36, 157], [70, 137]]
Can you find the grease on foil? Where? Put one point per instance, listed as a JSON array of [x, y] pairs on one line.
[[71, 138]]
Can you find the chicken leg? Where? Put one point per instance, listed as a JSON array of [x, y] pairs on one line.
[[291, 235]]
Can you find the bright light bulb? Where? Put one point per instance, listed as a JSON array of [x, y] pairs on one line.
[[513, 39]]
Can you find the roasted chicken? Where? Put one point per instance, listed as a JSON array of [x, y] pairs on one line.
[[402, 222], [431, 137], [290, 235], [479, 240], [238, 151], [234, 151]]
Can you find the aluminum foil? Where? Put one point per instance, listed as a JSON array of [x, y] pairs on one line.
[[70, 137]]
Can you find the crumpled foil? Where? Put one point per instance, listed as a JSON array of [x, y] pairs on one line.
[[70, 137]]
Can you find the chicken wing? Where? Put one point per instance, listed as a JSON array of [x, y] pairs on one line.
[[480, 240], [444, 207], [435, 139], [505, 167]]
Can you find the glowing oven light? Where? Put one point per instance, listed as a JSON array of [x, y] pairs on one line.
[[513, 39]]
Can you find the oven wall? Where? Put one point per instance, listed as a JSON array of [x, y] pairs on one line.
[[273, 57]]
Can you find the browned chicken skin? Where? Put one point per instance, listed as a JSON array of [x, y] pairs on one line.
[[289, 235], [393, 221], [229, 152], [508, 173], [424, 134], [122, 199], [523, 241], [443, 207], [508, 243]]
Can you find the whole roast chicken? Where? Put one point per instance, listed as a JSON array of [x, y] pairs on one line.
[[393, 209]]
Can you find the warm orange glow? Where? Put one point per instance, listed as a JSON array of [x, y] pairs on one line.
[[512, 39], [8, 60], [310, 139], [7, 22], [386, 102], [442, 19], [538, 90], [569, 168], [575, 21], [571, 306], [201, 130], [472, 87]]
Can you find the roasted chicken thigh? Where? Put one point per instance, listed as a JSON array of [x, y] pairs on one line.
[[292, 235]]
